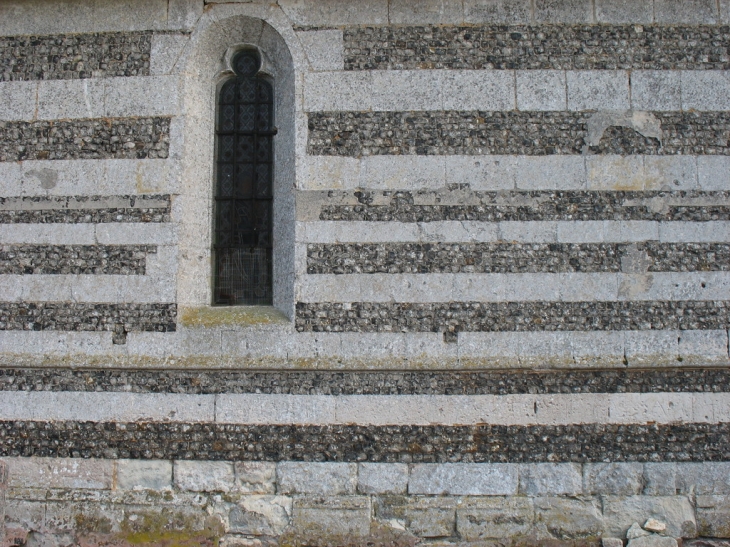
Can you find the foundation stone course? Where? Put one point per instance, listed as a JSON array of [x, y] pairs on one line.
[[327, 479], [676, 511], [331, 516], [486, 518], [463, 479], [429, 517], [569, 518]]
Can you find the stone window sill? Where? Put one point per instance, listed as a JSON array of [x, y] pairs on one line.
[[230, 316]]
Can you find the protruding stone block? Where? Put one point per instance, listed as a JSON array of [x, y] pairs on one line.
[[261, 515], [255, 477], [204, 476], [568, 518], [424, 517], [332, 516], [497, 518], [676, 511]]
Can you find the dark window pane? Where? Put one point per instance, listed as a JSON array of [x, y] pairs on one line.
[[244, 191]]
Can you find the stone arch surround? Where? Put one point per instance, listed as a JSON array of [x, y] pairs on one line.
[[205, 63]]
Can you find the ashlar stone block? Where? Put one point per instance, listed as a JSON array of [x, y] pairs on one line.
[[423, 516], [332, 516], [613, 478], [567, 518], [382, 478], [713, 516], [463, 479], [261, 515], [144, 474], [677, 511], [487, 518], [328, 479]]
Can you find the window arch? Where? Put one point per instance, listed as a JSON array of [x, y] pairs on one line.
[[243, 251]]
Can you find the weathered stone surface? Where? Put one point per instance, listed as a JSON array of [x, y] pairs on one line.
[[261, 515], [463, 479], [613, 478], [423, 516], [496, 518], [255, 477], [204, 476], [660, 479], [676, 511], [144, 474], [550, 479], [653, 540], [704, 478], [566, 518], [331, 516], [654, 525], [713, 516], [612, 542], [382, 478], [636, 531], [329, 479], [60, 473]]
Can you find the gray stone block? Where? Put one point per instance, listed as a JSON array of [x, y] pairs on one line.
[[568, 518], [144, 474], [335, 12], [539, 479], [62, 99], [685, 11], [75, 473], [653, 540], [705, 90], [621, 512], [328, 479], [255, 477], [204, 476], [703, 478], [331, 516], [19, 100], [382, 478], [660, 479], [324, 48], [497, 11], [613, 478], [541, 90], [461, 479], [494, 518], [713, 516], [424, 517], [434, 12], [261, 515], [598, 90], [563, 11], [656, 90], [473, 90], [624, 11], [165, 52], [612, 542]]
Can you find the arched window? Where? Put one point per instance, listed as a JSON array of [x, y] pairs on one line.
[[244, 196]]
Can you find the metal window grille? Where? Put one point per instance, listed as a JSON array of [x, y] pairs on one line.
[[243, 199]]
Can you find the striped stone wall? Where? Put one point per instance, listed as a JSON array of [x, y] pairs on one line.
[[502, 251]]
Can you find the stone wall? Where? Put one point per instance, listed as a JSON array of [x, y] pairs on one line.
[[501, 262]]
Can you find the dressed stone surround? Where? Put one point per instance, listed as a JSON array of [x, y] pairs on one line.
[[501, 275]]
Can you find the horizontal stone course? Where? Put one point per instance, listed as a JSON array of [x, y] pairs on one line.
[[73, 56], [71, 316], [511, 316], [75, 259], [347, 443], [461, 204], [703, 380], [453, 132], [513, 257], [102, 138], [549, 46]]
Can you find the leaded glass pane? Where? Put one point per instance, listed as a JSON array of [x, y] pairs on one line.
[[244, 198]]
